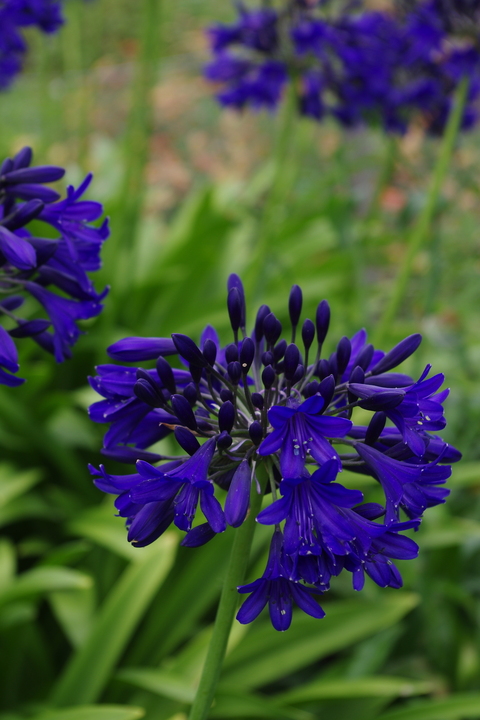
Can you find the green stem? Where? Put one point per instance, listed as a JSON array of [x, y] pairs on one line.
[[434, 275], [47, 110], [228, 604], [421, 228], [384, 178], [139, 129], [358, 259], [278, 190], [73, 56]]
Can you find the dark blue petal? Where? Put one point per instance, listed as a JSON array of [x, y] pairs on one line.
[[305, 602], [8, 352], [18, 252], [398, 354], [149, 523], [253, 605], [280, 604], [198, 536], [212, 510], [238, 496], [276, 512], [135, 349]]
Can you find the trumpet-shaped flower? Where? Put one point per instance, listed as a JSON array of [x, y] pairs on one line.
[[261, 402]]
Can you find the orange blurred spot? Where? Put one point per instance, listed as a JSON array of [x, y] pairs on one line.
[[393, 199]]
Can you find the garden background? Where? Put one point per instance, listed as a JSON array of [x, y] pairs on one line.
[[87, 620]]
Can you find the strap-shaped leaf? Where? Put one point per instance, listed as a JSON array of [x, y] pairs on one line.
[[91, 666], [455, 707], [93, 712], [264, 656], [380, 686], [42, 580]]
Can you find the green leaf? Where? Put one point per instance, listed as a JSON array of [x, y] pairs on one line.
[[72, 428], [74, 611], [14, 483], [19, 613], [27, 506], [187, 580], [456, 532], [43, 580], [185, 290], [67, 554], [369, 656], [466, 474], [253, 706], [93, 712], [7, 562], [101, 525], [159, 682], [90, 668], [380, 686], [265, 655], [190, 660], [456, 707]]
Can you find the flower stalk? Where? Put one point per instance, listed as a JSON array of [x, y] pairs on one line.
[[423, 225], [137, 140], [279, 188], [228, 602]]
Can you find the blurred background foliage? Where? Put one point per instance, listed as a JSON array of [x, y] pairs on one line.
[[109, 632]]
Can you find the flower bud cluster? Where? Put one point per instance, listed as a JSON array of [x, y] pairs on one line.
[[265, 401]]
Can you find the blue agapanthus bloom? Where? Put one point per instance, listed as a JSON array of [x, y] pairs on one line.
[[262, 401], [39, 267], [14, 16], [354, 64]]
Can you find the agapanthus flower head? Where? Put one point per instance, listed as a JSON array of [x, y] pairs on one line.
[[39, 267], [349, 62], [266, 405], [455, 17], [16, 15]]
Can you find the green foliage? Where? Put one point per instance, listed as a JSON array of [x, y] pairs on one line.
[[91, 666], [452, 708], [93, 712], [86, 618], [265, 657]]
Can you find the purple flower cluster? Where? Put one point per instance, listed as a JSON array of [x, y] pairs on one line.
[[356, 66], [37, 267], [14, 16], [264, 402]]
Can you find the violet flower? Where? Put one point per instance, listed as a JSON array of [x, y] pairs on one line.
[[261, 402], [15, 15], [348, 62], [38, 267]]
